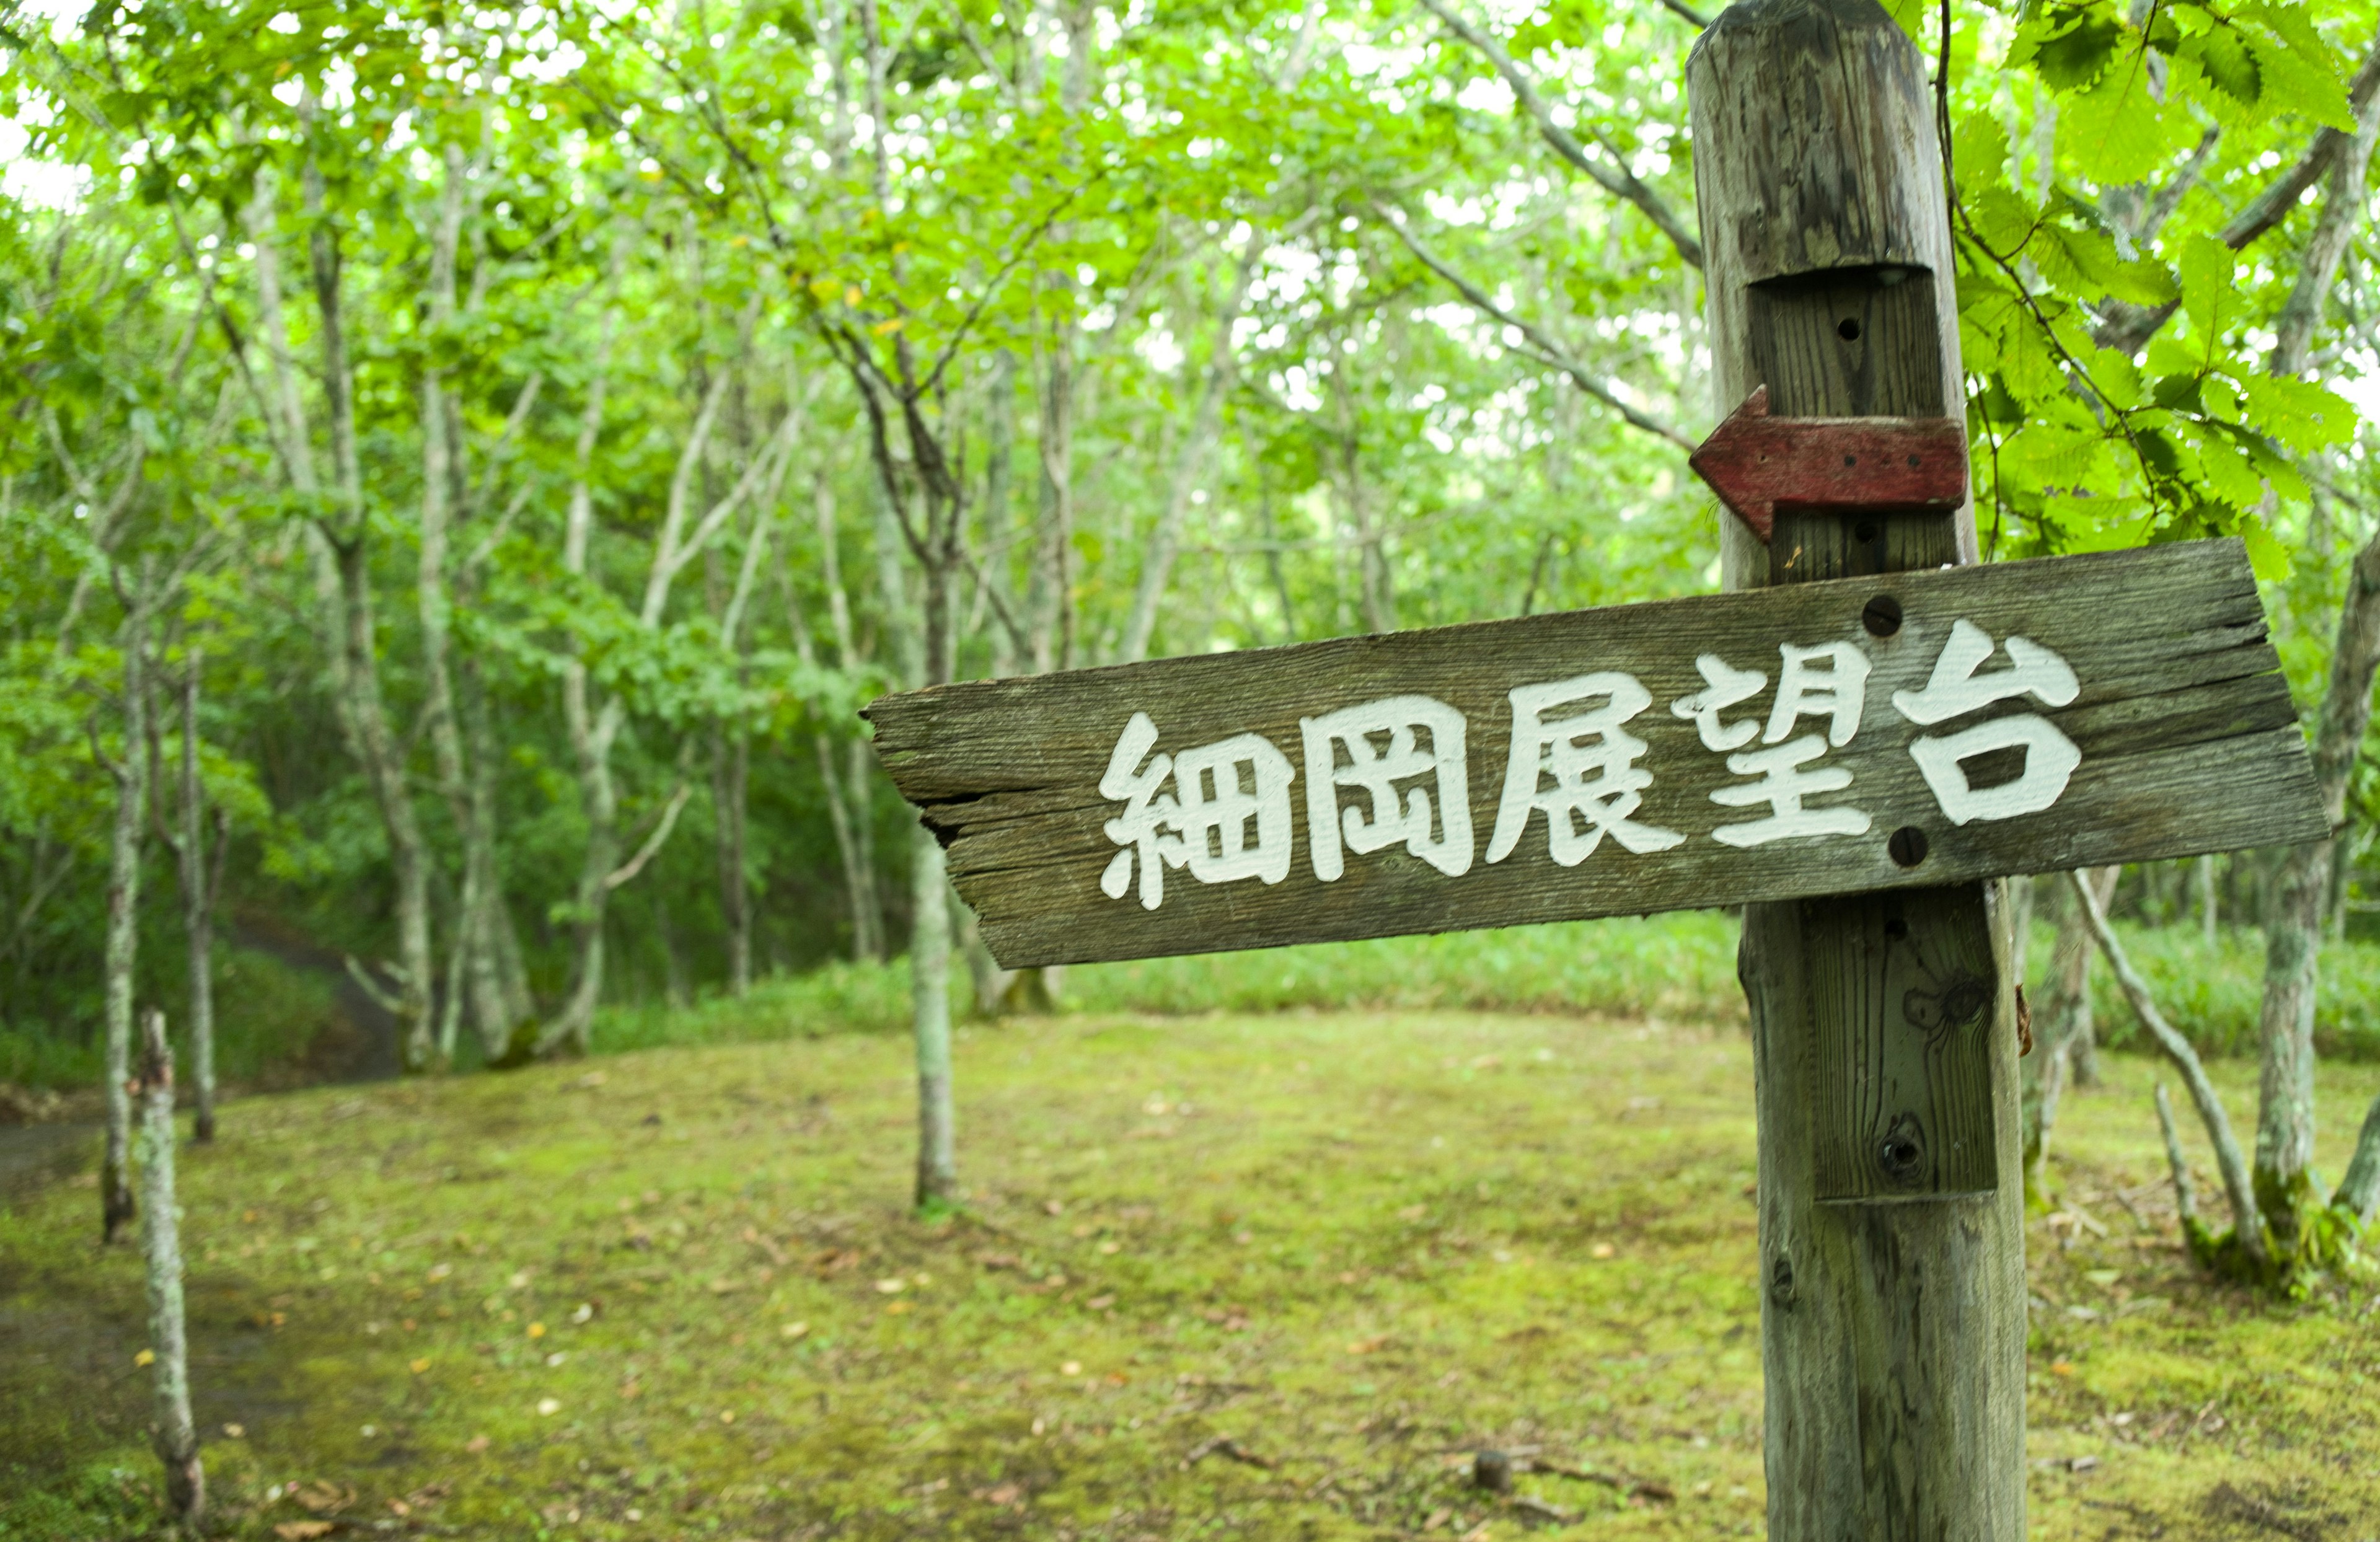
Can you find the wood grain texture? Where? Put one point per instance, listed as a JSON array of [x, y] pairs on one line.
[[2188, 738], [1893, 1333], [1900, 999]]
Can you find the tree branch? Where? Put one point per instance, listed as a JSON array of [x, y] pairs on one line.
[[1543, 347], [2128, 328], [1614, 178], [627, 872]]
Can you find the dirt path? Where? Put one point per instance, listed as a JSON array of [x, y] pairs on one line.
[[355, 1043]]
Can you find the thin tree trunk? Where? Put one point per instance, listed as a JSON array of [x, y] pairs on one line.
[[847, 801], [115, 1201], [2296, 909], [731, 760], [2359, 1192], [349, 536], [176, 1436], [2063, 1023], [858, 883], [593, 730], [198, 908], [493, 985], [384, 770], [438, 456], [2293, 937], [1189, 470], [859, 793], [2209, 921], [589, 734], [929, 977]]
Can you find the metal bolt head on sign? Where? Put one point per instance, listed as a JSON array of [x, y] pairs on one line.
[[1756, 461], [1918, 729]]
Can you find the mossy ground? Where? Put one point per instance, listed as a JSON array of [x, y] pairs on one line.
[[570, 1301]]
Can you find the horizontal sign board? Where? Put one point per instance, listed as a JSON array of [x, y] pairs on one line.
[[1822, 738]]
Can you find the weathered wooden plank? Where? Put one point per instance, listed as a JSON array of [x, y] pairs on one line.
[[2184, 728]]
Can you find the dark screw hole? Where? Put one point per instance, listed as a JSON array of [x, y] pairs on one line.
[[1901, 1154], [1848, 329], [1882, 616], [1864, 532], [1897, 929], [1907, 845]]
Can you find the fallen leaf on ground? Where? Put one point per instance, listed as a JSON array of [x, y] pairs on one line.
[[301, 1531]]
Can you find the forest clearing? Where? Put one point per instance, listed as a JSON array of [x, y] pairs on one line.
[[1331, 1255], [1097, 768]]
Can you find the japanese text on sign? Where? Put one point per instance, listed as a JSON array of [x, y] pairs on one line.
[[1392, 771]]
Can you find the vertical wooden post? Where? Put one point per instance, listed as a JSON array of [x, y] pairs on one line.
[[1893, 1309]]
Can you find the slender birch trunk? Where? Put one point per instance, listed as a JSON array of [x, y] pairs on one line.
[[2297, 906], [175, 1436], [199, 883], [594, 728], [435, 610], [591, 733], [731, 762], [2209, 920], [1188, 473], [2064, 1021], [848, 806], [929, 978], [115, 1201], [348, 531]]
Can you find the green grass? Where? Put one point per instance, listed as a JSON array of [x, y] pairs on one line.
[[677, 1294], [2213, 994], [1676, 966]]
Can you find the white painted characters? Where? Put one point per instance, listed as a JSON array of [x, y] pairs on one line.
[[1395, 779], [1955, 689], [1581, 770], [1218, 823], [1395, 772], [1827, 681]]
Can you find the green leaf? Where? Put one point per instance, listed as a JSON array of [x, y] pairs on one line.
[[2073, 58], [2266, 557], [2223, 56], [2301, 415], [2118, 129], [2210, 294], [1979, 152]]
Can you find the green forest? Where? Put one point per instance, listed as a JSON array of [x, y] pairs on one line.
[[465, 469]]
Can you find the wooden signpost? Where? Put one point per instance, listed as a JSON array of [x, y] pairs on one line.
[[1854, 744], [1822, 738]]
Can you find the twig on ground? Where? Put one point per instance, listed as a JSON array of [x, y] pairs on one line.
[[1226, 1445], [1636, 1487], [2185, 1198]]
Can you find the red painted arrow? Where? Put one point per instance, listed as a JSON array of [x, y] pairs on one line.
[[1757, 464]]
